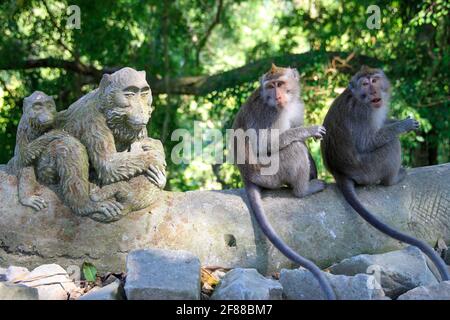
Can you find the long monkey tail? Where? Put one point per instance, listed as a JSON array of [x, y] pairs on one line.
[[254, 196], [347, 187]]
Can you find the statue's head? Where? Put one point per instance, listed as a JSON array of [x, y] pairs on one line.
[[40, 110], [126, 100]]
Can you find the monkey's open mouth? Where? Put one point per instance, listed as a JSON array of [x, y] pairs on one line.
[[376, 102]]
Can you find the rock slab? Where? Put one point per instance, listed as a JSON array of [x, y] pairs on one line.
[[397, 271], [113, 291], [440, 291], [300, 284], [10, 291], [51, 281], [247, 284], [155, 274]]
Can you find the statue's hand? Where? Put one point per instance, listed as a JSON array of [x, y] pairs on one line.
[[108, 211], [35, 202], [156, 176]]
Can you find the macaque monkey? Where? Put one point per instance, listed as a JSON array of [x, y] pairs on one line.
[[276, 107], [362, 147]]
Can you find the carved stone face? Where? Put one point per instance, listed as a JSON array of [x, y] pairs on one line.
[[40, 109], [128, 107]]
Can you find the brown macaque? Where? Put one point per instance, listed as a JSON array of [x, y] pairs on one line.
[[362, 147], [276, 107]]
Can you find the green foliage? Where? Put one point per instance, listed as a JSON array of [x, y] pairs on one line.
[[89, 271], [182, 38]]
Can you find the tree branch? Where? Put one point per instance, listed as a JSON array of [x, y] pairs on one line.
[[56, 26], [202, 85], [204, 39]]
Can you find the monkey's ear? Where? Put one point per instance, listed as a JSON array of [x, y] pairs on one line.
[[105, 82], [273, 68]]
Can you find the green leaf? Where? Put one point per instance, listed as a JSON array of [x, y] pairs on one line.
[[89, 271]]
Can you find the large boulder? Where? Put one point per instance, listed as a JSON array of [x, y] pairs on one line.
[[216, 225]]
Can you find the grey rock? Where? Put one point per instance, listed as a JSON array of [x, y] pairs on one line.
[[51, 281], [112, 291], [396, 271], [440, 291], [10, 291], [14, 273], [216, 226], [155, 274], [300, 284], [247, 284], [3, 274]]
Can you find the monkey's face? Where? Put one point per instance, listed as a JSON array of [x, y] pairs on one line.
[[130, 106], [280, 90], [371, 89], [41, 114]]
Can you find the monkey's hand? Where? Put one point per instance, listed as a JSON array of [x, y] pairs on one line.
[[317, 132], [156, 176], [410, 124], [35, 202]]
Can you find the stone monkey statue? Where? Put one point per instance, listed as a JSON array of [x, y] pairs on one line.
[[32, 137], [111, 123], [33, 140]]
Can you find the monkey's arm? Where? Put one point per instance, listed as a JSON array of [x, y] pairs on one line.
[[110, 165], [294, 134], [388, 133], [27, 185], [32, 150]]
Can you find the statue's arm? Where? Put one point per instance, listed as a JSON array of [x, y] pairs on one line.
[[32, 150], [112, 166], [27, 185]]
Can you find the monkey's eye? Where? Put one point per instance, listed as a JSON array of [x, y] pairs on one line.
[[129, 94], [280, 84], [365, 83]]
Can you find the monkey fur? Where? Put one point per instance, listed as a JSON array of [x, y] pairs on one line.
[[276, 104], [362, 147]]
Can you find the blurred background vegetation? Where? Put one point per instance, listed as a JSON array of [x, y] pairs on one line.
[[203, 59]]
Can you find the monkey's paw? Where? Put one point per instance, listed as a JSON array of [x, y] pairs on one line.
[[35, 202], [410, 124], [156, 176], [108, 211], [317, 132]]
